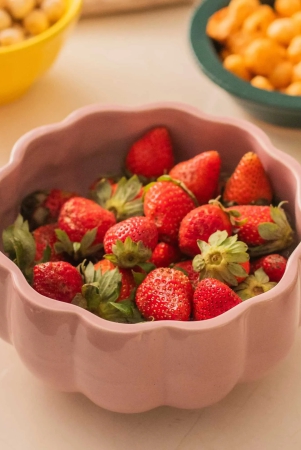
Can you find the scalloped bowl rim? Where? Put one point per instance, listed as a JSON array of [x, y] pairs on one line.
[[39, 301], [211, 65]]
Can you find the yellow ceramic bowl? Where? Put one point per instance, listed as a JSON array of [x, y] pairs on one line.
[[22, 64]]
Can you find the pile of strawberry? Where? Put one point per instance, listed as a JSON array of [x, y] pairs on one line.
[[166, 241]]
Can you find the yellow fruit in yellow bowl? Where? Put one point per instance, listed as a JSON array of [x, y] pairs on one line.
[[25, 56]]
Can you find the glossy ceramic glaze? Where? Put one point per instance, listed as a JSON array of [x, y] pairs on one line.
[[273, 107], [22, 64], [133, 368]]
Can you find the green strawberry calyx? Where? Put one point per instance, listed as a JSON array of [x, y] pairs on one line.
[[254, 285], [221, 258], [234, 215], [278, 234], [100, 293], [77, 250], [124, 202], [20, 246], [128, 254]]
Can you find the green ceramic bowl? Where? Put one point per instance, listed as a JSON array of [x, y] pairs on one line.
[[273, 107]]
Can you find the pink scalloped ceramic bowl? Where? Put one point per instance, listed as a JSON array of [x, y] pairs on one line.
[[133, 368]]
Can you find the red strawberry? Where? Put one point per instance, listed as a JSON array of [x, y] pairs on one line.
[[212, 298], [165, 254], [194, 277], [200, 223], [127, 279], [151, 155], [80, 215], [264, 229], [249, 182], [42, 207], [166, 204], [58, 280], [138, 228], [45, 236], [165, 294], [200, 174], [274, 266]]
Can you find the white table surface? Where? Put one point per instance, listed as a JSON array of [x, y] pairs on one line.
[[131, 60]]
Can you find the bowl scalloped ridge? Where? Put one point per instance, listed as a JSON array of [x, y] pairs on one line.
[[133, 368]]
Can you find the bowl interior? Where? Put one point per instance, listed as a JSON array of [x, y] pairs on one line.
[[72, 154], [205, 50]]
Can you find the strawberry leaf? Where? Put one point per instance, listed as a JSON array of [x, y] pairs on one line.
[[254, 285], [77, 250], [109, 285], [139, 277], [261, 276], [80, 301], [239, 257], [129, 313], [237, 270], [227, 277], [129, 254], [19, 245], [180, 269], [102, 192], [46, 255], [198, 263], [123, 203], [87, 240], [64, 244], [269, 231], [218, 238], [147, 267]]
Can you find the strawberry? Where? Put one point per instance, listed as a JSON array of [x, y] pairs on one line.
[[187, 268], [200, 174], [224, 258], [166, 204], [138, 228], [58, 280], [165, 294], [265, 229], [123, 199], [249, 183], [201, 223], [254, 285], [165, 254], [211, 298], [80, 215], [127, 279], [274, 266], [101, 294], [43, 207], [44, 237], [151, 155]]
